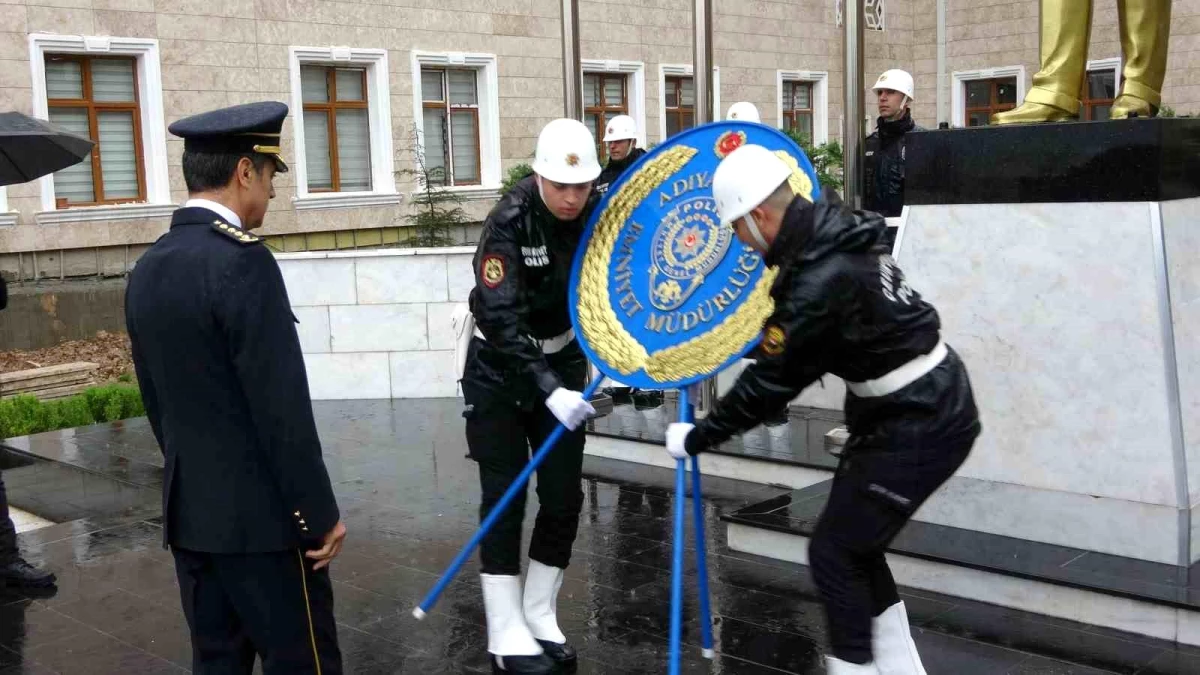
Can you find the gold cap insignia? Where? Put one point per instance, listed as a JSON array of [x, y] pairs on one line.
[[572, 159]]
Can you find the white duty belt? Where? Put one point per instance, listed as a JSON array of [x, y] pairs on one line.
[[900, 377], [549, 345]]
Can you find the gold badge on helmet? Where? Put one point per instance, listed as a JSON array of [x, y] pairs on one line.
[[572, 159]]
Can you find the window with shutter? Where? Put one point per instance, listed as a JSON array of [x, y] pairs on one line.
[[337, 130], [450, 112], [97, 97], [604, 97]]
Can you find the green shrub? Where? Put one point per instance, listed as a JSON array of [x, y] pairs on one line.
[[515, 175], [24, 415]]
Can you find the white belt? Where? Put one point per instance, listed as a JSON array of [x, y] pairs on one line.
[[549, 345], [900, 377]]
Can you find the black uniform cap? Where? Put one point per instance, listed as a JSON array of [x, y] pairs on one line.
[[251, 127]]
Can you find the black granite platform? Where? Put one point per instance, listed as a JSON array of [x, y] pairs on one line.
[[1147, 160], [797, 512], [409, 498]]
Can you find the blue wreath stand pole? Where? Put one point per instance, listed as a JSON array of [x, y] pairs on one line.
[[687, 413], [497, 511]]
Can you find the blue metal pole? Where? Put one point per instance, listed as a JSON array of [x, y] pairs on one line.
[[498, 510], [677, 571], [687, 414]]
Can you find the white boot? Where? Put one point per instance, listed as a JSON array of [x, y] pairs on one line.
[[507, 633], [542, 583], [895, 651], [839, 667]]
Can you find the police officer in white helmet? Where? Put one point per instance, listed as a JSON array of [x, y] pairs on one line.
[[523, 376], [620, 138], [744, 111], [883, 170], [842, 306]]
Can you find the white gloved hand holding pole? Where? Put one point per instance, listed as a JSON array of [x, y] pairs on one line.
[[677, 434], [569, 407]]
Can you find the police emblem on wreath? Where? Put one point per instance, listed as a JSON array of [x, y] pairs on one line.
[[662, 295]]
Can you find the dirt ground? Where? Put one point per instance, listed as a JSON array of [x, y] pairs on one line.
[[109, 350]]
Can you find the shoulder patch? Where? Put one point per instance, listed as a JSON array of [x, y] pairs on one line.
[[235, 233], [491, 270], [773, 340]]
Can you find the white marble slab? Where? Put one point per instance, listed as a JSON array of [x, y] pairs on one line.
[[313, 329], [1181, 239], [321, 281], [348, 376], [379, 328], [428, 374], [1054, 308], [441, 329], [461, 276], [401, 279]]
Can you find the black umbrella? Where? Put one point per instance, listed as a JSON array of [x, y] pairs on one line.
[[31, 148]]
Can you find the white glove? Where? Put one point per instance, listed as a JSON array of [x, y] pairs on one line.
[[677, 433], [569, 407]]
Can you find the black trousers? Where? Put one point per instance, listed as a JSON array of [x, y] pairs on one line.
[[8, 532], [272, 605], [503, 428]]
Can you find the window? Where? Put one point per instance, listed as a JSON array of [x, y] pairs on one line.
[[337, 132], [604, 97], [798, 107], [1099, 91], [450, 112], [680, 103], [987, 97], [97, 97]]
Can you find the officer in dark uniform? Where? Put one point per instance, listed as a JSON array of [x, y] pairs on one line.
[[620, 136], [883, 170], [523, 376], [843, 307], [248, 509]]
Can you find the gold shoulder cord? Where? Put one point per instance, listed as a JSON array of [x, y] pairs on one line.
[[701, 355]]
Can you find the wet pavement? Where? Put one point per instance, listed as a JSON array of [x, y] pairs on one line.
[[409, 498]]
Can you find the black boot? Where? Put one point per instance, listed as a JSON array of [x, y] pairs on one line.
[[523, 665], [564, 655], [17, 573]]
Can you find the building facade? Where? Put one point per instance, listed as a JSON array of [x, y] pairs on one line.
[[456, 89]]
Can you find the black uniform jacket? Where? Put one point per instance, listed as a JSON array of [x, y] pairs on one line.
[[218, 361], [613, 170], [522, 275], [843, 307], [883, 170]]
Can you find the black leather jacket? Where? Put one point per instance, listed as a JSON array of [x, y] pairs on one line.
[[883, 170], [842, 306], [522, 276], [613, 170]]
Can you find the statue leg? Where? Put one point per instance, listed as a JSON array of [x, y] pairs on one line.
[[1145, 31], [1066, 27]]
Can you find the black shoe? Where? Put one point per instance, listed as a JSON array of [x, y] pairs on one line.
[[564, 655], [523, 665], [21, 574]]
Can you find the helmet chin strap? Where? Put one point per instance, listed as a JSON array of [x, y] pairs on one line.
[[752, 225], [537, 178]]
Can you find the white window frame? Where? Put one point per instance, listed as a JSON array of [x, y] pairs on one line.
[[379, 122], [820, 102], [150, 107], [488, 83], [958, 92], [635, 76], [674, 69]]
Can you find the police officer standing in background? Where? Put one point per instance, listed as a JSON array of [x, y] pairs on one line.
[[523, 377], [883, 170], [744, 111], [843, 307], [621, 138], [248, 509]]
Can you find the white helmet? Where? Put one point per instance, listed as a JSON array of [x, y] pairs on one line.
[[744, 111], [745, 179], [620, 128], [566, 153], [896, 80]]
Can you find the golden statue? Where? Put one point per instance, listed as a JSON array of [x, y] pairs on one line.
[[1066, 26]]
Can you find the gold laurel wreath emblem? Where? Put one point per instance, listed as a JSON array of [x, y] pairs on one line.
[[701, 355]]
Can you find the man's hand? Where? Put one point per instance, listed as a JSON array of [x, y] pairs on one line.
[[569, 407], [677, 433], [331, 546]]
